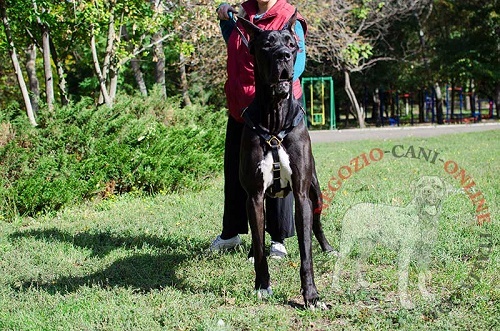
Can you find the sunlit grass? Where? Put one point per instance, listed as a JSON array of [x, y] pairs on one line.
[[135, 263]]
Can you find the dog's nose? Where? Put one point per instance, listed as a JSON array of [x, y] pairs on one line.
[[284, 55]]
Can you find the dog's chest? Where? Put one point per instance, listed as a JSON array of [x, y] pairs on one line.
[[266, 169]]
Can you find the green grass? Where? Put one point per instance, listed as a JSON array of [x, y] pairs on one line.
[[135, 263]]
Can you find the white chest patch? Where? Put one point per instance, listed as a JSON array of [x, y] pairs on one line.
[[266, 167]]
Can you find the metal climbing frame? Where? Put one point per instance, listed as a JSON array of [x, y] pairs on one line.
[[318, 116]]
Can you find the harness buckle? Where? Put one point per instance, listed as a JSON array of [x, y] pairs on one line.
[[274, 142]]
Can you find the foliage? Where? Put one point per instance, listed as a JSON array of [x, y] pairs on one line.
[[82, 152]]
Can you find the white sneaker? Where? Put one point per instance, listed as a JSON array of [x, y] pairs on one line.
[[278, 250], [220, 244]]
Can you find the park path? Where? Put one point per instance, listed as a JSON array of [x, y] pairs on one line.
[[398, 132]]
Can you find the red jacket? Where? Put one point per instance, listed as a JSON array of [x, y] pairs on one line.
[[240, 85]]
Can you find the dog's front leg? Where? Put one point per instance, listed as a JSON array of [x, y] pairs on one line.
[[424, 275], [303, 224], [404, 264], [255, 212]]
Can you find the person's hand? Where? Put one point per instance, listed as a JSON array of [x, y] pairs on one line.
[[224, 10]]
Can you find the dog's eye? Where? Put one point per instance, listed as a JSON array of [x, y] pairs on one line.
[[290, 42]]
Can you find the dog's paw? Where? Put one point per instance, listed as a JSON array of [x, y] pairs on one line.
[[406, 302], [331, 252], [336, 285], [363, 283], [264, 293], [428, 296], [318, 305]]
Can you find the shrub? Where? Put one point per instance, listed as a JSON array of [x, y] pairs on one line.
[[80, 152]]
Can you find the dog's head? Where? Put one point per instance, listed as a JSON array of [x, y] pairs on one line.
[[429, 192], [275, 52]]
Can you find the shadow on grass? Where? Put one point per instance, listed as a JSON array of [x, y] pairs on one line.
[[141, 271]]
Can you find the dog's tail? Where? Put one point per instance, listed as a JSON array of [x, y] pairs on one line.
[[317, 202]]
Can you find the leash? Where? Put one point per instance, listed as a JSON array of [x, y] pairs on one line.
[[274, 142], [243, 38]]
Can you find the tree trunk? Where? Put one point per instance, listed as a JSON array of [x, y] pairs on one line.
[[113, 82], [33, 80], [139, 77], [472, 99], [159, 58], [439, 103], [109, 52], [97, 68], [158, 52], [47, 67], [497, 99], [421, 106], [184, 81], [452, 101], [135, 64], [354, 101], [376, 108], [113, 69], [63, 91], [15, 63]]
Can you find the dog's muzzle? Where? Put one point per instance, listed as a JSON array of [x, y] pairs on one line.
[[282, 73]]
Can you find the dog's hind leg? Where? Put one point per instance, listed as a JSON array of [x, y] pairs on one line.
[[317, 202], [345, 247], [365, 248], [424, 277], [255, 212]]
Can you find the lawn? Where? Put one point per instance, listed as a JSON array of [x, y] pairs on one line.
[[141, 263]]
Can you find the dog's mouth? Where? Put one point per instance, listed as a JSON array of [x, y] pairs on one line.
[[284, 81]]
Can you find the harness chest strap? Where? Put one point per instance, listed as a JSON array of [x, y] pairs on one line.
[[274, 142]]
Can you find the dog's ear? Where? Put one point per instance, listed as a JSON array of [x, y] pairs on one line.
[[249, 27], [290, 25]]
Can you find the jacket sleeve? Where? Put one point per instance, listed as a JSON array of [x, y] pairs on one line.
[[226, 27], [300, 62]]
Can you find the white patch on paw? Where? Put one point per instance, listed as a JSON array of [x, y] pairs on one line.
[[264, 293], [318, 305]]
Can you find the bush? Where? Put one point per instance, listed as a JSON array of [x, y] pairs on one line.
[[80, 152]]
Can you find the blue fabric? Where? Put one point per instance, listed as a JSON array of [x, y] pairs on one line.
[[227, 27], [300, 62]]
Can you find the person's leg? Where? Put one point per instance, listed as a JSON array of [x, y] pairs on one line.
[[279, 223], [279, 218], [234, 220]]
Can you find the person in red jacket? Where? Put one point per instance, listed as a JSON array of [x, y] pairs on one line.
[[240, 91]]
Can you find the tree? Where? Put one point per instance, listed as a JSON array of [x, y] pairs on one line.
[[15, 62], [47, 67], [464, 37], [345, 34]]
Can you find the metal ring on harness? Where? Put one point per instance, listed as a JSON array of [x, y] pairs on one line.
[[274, 138]]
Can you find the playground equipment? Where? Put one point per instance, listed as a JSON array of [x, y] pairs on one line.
[[315, 107]]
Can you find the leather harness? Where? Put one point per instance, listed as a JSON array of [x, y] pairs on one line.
[[274, 143]]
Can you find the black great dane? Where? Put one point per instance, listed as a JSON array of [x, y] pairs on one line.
[[276, 155]]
